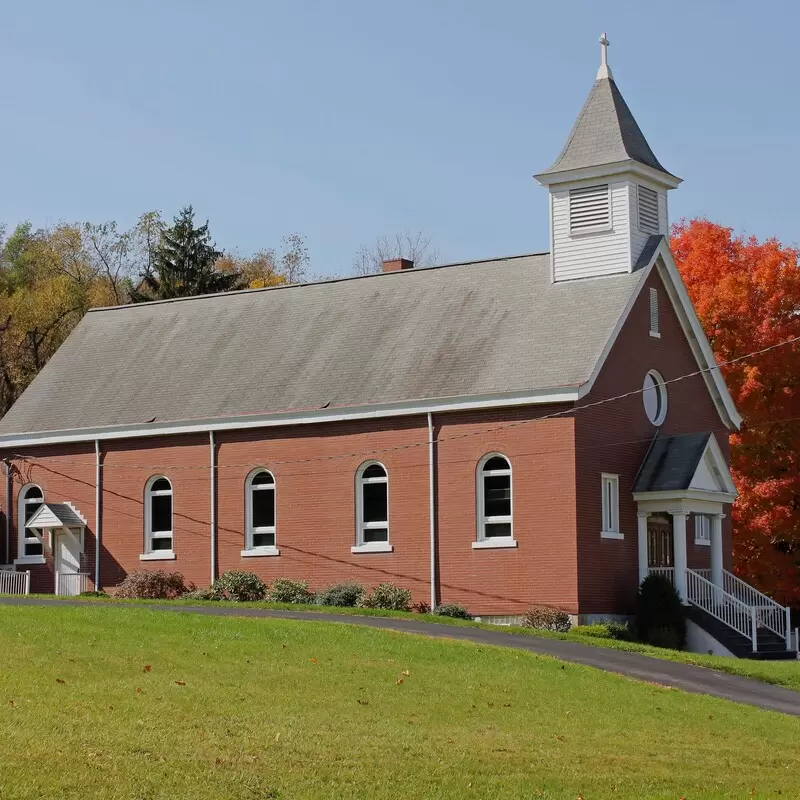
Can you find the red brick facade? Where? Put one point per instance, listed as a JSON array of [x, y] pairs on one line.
[[560, 558]]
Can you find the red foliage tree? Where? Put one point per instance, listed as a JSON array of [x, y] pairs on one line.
[[747, 295]]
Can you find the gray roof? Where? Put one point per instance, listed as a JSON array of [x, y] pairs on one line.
[[671, 463], [604, 133], [63, 513], [481, 328]]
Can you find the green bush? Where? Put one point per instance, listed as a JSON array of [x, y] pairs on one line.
[[389, 597], [660, 615], [547, 618], [239, 585], [608, 630], [99, 593], [286, 590], [452, 610], [143, 584], [345, 594]]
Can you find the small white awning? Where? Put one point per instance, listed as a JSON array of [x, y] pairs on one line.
[[56, 515]]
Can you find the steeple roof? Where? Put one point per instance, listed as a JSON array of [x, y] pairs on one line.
[[605, 131]]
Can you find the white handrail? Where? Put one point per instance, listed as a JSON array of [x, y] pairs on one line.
[[770, 615], [721, 605], [13, 582]]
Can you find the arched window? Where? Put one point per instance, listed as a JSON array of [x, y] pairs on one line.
[[31, 498], [158, 534], [654, 397], [260, 514], [372, 508], [495, 524]]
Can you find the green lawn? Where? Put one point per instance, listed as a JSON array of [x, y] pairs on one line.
[[126, 702], [780, 673]]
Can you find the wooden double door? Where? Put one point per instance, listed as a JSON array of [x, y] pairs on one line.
[[660, 542]]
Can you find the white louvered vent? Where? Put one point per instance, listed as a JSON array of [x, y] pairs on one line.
[[589, 208], [648, 210], [654, 312]]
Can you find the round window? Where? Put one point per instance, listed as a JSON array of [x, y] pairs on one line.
[[654, 396]]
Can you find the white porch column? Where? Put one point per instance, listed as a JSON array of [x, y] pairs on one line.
[[716, 549], [679, 539], [643, 568]]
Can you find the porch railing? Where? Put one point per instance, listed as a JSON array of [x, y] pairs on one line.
[[71, 583], [12, 582], [769, 614], [666, 572], [725, 607]]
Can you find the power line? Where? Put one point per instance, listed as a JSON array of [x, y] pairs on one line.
[[409, 446]]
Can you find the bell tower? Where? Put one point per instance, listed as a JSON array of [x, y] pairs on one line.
[[608, 191]]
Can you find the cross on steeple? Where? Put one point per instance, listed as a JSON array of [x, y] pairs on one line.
[[604, 71]]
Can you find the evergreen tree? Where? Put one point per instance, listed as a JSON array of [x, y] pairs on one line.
[[183, 264]]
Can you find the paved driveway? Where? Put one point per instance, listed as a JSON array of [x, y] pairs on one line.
[[654, 670]]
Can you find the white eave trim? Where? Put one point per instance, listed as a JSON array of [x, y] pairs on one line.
[[686, 494], [692, 328], [615, 169], [567, 394]]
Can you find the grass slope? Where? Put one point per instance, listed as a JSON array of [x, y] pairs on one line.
[[780, 673], [125, 702]]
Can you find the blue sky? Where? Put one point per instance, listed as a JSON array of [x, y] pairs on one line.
[[353, 119]]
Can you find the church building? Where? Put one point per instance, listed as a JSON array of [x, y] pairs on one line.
[[540, 429]]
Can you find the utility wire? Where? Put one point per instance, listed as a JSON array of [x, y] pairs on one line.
[[437, 441]]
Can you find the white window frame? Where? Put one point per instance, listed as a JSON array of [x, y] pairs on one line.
[[484, 542], [157, 555], [655, 331], [702, 523], [25, 535], [249, 550], [661, 391], [371, 547], [610, 526], [590, 229]]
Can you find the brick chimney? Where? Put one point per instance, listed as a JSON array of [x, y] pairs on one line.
[[396, 264]]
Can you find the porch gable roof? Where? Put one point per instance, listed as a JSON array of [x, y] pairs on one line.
[[56, 515]]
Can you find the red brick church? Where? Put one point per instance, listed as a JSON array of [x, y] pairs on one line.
[[498, 433]]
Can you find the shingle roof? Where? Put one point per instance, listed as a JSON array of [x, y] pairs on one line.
[[604, 133], [482, 328], [671, 463], [53, 515]]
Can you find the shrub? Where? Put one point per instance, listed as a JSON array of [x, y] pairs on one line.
[[452, 610], [421, 608], [143, 584], [239, 585], [285, 590], [389, 597], [341, 594], [547, 618], [660, 616], [608, 630], [99, 593]]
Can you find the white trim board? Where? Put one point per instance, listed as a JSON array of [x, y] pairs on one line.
[[663, 261], [567, 394]]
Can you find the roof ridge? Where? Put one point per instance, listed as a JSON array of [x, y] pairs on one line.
[[326, 281]]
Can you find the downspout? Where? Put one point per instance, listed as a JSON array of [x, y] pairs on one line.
[[97, 515], [213, 465], [7, 552], [432, 510]]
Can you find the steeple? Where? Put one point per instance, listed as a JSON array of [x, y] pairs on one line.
[[608, 189]]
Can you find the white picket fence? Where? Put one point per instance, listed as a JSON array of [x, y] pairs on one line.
[[71, 583], [12, 582]]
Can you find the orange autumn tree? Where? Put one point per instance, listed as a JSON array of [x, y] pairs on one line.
[[747, 295]]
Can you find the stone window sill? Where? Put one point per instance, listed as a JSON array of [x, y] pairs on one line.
[[494, 544], [260, 551], [372, 547], [30, 560], [158, 555], [611, 535]]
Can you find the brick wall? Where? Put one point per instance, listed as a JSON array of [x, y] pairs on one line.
[[614, 438]]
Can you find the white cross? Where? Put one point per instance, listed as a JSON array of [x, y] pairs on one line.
[[604, 43], [604, 71]]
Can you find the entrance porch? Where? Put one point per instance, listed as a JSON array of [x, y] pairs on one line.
[[683, 480]]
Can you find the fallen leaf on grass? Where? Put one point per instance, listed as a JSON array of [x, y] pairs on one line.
[[277, 737], [560, 738], [363, 702], [399, 681], [313, 660], [181, 683], [406, 673], [146, 668], [12, 704], [60, 680], [138, 690]]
